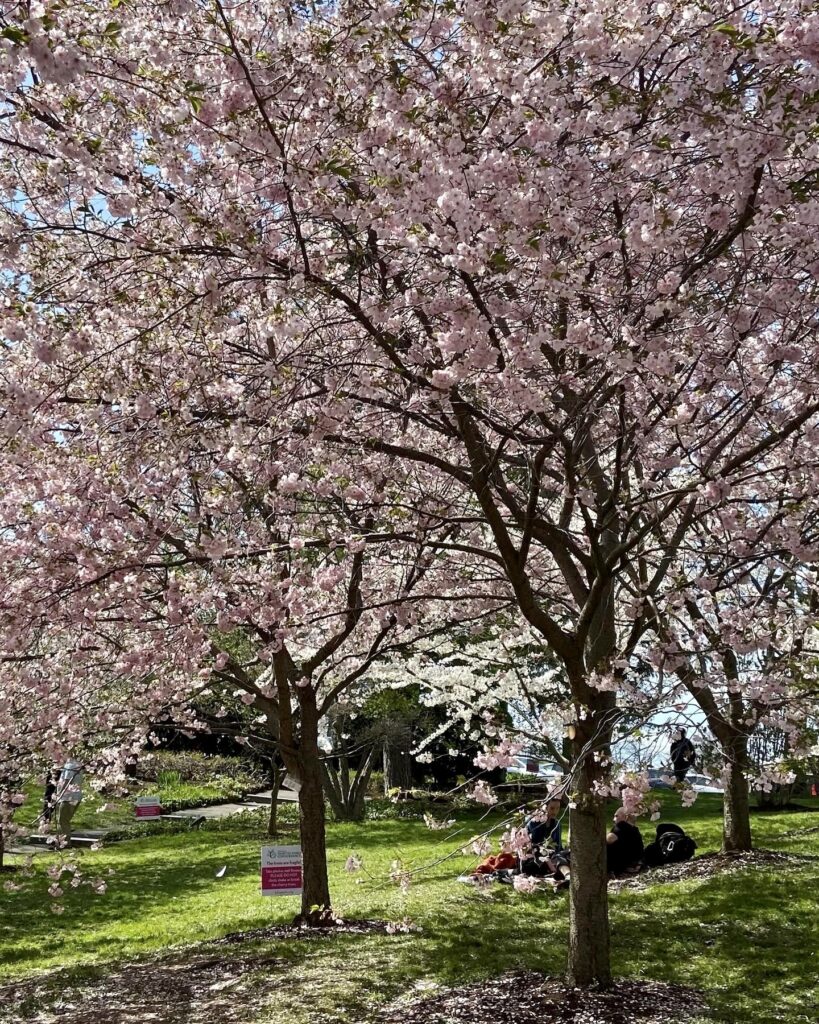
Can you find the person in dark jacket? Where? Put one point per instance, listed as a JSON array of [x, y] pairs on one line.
[[683, 755], [624, 844], [48, 795], [547, 844], [546, 831]]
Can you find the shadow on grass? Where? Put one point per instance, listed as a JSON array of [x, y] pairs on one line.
[[162, 877], [148, 880], [747, 939]]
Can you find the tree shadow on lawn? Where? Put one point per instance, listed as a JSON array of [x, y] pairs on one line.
[[283, 979], [744, 938], [159, 878], [748, 938], [147, 879], [707, 933]]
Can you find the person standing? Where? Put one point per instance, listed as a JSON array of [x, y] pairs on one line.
[[68, 796], [683, 755]]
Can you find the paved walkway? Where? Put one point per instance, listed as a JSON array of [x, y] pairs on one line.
[[287, 796], [252, 802], [42, 842]]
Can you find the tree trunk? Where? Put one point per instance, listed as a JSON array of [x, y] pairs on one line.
[[775, 799], [316, 886], [342, 801], [300, 752], [730, 731], [589, 918], [589, 952], [276, 785], [736, 819], [397, 765], [347, 798]]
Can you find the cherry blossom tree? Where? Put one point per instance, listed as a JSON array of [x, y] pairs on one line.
[[743, 649], [556, 262], [162, 587]]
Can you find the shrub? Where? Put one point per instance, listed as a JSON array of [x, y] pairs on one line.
[[375, 788], [389, 809], [191, 766], [167, 779]]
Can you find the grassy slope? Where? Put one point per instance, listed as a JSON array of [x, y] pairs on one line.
[[749, 939], [120, 810]]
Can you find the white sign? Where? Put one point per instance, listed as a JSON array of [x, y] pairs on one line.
[[281, 871], [148, 807], [290, 783]]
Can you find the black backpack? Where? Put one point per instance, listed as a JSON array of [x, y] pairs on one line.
[[672, 846]]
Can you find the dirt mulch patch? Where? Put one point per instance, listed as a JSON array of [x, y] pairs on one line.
[[203, 984], [287, 931], [196, 988], [525, 997], [709, 865]]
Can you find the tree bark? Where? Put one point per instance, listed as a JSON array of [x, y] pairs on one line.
[[736, 818], [397, 765], [589, 953], [348, 801], [312, 823], [731, 733], [300, 752], [276, 784], [589, 948]]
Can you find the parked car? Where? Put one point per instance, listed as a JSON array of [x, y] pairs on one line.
[[657, 778], [703, 784], [549, 771]]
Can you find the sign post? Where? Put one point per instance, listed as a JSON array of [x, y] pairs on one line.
[[281, 871], [148, 807]]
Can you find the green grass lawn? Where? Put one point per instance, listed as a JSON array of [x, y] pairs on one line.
[[748, 939]]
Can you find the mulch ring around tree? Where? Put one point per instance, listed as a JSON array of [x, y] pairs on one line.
[[193, 985], [288, 931], [709, 865], [526, 997]]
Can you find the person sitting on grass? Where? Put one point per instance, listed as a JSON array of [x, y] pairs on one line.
[[624, 844], [544, 834], [546, 831], [496, 862], [542, 831], [624, 851]]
